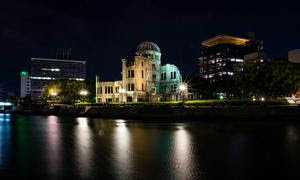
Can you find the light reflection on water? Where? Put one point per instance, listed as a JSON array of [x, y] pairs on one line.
[[122, 150], [54, 145], [83, 148], [183, 154], [5, 139]]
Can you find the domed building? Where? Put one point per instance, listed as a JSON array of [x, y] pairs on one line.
[[143, 79]]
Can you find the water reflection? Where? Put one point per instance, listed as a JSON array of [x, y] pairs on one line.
[[122, 150], [292, 134], [5, 140], [183, 154], [54, 145], [4, 117], [292, 139], [83, 149]]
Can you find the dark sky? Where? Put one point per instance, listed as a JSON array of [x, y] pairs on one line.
[[104, 32]]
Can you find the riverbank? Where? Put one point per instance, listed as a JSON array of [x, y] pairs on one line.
[[176, 113], [196, 112]]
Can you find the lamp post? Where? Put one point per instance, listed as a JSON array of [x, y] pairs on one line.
[[83, 93], [122, 93], [182, 89], [53, 92]]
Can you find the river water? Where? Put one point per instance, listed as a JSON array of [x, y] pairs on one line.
[[51, 147]]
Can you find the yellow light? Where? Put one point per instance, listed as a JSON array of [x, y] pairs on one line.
[[53, 92], [262, 99], [83, 92], [122, 90]]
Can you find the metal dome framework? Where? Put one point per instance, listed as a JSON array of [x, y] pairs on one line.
[[147, 46]]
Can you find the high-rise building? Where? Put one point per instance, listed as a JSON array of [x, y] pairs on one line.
[[44, 70], [223, 55], [143, 79]]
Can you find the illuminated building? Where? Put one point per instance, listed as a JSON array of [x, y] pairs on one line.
[[45, 70], [143, 79], [222, 55]]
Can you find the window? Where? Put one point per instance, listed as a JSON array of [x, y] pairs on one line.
[[108, 90], [111, 90], [132, 87], [175, 87], [153, 77], [117, 90], [142, 73], [163, 76], [128, 74], [171, 75], [105, 90], [174, 74], [142, 63], [132, 73], [128, 87], [99, 90], [153, 67]]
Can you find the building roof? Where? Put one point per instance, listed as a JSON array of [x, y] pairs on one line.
[[147, 46], [225, 39], [59, 60]]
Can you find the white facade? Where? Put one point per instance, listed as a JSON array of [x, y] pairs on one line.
[[143, 79]]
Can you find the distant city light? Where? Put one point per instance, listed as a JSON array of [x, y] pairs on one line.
[[262, 99], [221, 96], [54, 69], [5, 104]]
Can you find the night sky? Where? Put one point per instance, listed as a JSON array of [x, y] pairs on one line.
[[104, 32]]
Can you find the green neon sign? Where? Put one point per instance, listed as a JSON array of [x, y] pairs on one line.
[[24, 73]]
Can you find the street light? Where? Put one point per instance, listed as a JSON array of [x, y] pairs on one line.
[[122, 93], [53, 92], [83, 92], [182, 89]]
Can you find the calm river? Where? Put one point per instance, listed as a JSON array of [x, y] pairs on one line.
[[81, 148]]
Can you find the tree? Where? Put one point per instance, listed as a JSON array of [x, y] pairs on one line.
[[67, 91], [270, 79]]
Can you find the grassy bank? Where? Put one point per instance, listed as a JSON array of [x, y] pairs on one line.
[[234, 102]]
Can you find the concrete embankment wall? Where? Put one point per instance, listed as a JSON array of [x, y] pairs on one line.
[[200, 112]]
